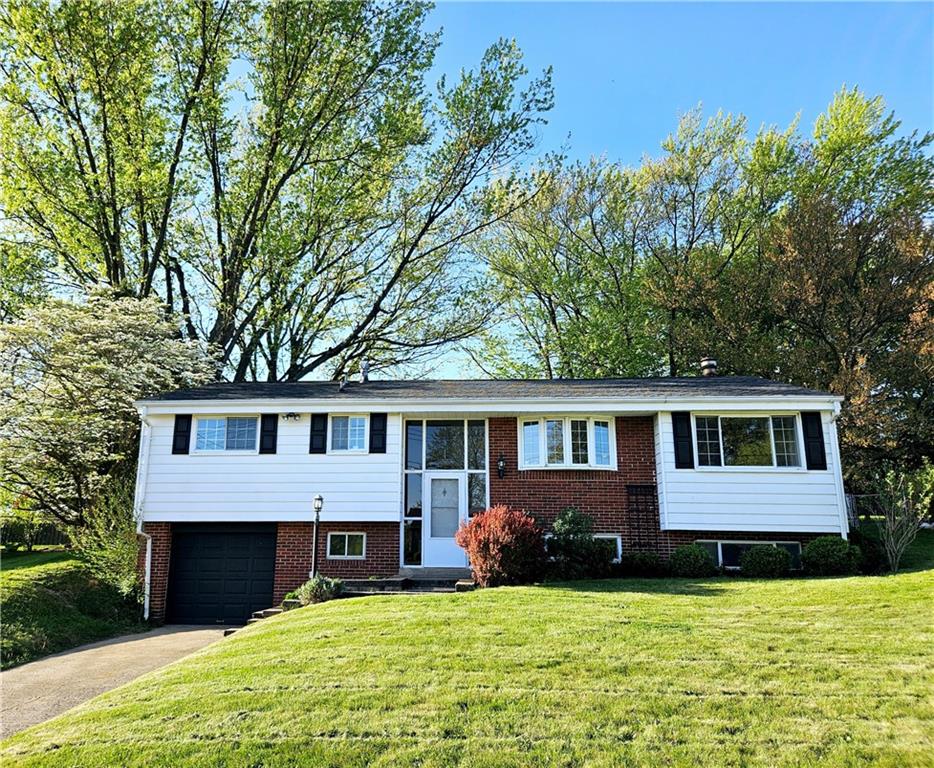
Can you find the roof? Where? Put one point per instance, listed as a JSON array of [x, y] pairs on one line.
[[494, 389]]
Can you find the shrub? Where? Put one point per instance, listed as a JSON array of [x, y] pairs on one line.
[[873, 556], [830, 556], [765, 561], [638, 564], [573, 551], [505, 546], [107, 542], [319, 589], [692, 560]]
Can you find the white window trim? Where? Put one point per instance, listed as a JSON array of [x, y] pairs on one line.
[[718, 542], [345, 557], [349, 451], [567, 419], [619, 543], [193, 445], [802, 466]]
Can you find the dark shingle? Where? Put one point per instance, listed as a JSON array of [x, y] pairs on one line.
[[487, 389]]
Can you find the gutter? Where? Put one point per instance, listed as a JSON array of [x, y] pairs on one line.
[[142, 470]]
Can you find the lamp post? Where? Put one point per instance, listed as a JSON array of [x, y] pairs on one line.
[[318, 504]]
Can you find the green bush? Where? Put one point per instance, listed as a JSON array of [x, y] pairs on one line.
[[765, 561], [693, 561], [830, 556], [873, 556], [319, 589], [574, 553], [640, 564]]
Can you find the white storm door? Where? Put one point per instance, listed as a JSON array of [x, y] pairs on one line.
[[446, 496]]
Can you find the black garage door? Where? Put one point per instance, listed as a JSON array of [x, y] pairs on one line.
[[220, 574]]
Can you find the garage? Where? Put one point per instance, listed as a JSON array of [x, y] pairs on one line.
[[220, 574]]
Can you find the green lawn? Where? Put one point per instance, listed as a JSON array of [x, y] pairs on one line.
[[657, 672], [48, 603]]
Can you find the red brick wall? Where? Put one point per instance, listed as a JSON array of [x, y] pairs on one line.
[[161, 534], [293, 553], [604, 495]]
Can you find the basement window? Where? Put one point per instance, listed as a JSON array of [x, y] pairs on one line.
[[726, 554], [346, 546]]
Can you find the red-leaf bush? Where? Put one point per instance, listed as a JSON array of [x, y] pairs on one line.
[[505, 546]]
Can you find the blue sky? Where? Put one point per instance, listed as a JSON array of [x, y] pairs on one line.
[[623, 72]]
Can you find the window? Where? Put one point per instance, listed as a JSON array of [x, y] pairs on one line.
[[579, 452], [444, 444], [747, 441], [348, 433], [616, 540], [233, 433], [346, 546], [726, 554], [566, 442], [531, 450]]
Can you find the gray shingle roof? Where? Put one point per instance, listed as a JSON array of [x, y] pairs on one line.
[[489, 389]]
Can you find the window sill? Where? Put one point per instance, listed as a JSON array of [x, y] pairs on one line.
[[225, 453], [348, 452], [572, 467], [346, 557], [748, 470]]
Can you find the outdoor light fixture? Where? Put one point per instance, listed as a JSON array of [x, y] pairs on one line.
[[291, 416], [501, 467], [318, 503]]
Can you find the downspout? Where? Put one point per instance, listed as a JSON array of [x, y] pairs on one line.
[[142, 468], [836, 409]]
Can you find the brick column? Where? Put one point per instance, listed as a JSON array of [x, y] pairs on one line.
[[161, 534]]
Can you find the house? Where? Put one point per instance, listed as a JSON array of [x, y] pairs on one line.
[[228, 473]]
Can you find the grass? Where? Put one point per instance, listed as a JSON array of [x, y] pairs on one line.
[[722, 671], [49, 603]]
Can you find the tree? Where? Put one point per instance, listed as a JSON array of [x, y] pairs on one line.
[[906, 499], [300, 220], [69, 374]]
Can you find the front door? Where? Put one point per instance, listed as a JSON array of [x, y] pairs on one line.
[[446, 498]]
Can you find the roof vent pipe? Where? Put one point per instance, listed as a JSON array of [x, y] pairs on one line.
[[343, 383], [708, 366], [365, 371]]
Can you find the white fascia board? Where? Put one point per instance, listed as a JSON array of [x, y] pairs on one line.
[[270, 517], [529, 405]]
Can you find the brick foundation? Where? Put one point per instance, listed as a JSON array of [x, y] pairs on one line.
[[293, 553]]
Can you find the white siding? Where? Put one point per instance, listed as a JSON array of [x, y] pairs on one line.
[[749, 500], [235, 487]]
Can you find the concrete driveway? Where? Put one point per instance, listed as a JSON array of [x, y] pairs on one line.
[[40, 690]]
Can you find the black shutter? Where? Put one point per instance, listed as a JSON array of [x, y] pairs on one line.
[[814, 452], [181, 438], [319, 433], [377, 433], [684, 444], [268, 430]]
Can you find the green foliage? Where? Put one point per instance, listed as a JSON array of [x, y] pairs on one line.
[[51, 603], [866, 537], [830, 556], [332, 204], [107, 542], [691, 561], [765, 561], [70, 373], [641, 564], [572, 550], [319, 589]]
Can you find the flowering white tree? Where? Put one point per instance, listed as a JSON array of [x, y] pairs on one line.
[[69, 373]]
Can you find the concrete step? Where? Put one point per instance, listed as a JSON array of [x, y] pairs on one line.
[[371, 586], [253, 620], [266, 613], [230, 630], [288, 605]]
